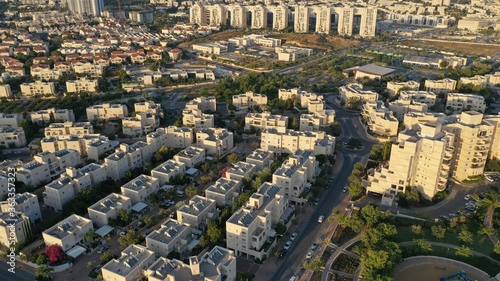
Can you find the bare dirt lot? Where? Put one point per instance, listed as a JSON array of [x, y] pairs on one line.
[[463, 47]]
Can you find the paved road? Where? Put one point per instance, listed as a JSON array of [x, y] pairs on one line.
[[332, 197], [20, 274]]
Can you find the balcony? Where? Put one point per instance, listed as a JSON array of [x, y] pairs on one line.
[[476, 166]]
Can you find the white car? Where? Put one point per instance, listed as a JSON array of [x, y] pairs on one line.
[[294, 277], [321, 219], [169, 202], [122, 233], [467, 197], [309, 255], [293, 236], [288, 244], [345, 189]]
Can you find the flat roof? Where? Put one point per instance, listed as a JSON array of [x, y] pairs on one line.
[[139, 206], [375, 69], [105, 229]]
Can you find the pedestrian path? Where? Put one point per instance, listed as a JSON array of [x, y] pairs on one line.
[[336, 254]]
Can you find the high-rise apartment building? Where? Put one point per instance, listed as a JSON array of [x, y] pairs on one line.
[[89, 7]]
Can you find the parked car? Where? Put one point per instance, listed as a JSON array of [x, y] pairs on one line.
[[288, 244], [314, 246], [293, 236], [321, 219], [316, 202], [102, 249], [345, 189], [169, 202], [122, 233], [467, 197], [309, 255], [294, 277], [283, 253]]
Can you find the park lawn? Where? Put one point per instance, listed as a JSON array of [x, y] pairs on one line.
[[481, 244]]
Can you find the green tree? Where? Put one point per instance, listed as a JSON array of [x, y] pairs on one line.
[[464, 251], [422, 245], [496, 248], [487, 231], [205, 180], [41, 259], [315, 265], [150, 221], [191, 190], [294, 124], [372, 215], [466, 236], [438, 231], [417, 229], [52, 119], [106, 257], [233, 158], [90, 236], [131, 237], [43, 272], [214, 232]]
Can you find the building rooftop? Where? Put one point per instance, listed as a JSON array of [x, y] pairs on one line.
[[109, 203], [131, 257], [375, 69], [169, 166], [70, 226], [223, 186], [241, 168], [196, 206], [259, 154], [190, 152], [169, 230], [140, 182], [60, 183]]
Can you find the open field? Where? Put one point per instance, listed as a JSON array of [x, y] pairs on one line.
[[463, 47], [316, 41]]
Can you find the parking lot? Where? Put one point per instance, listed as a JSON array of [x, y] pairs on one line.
[[492, 177]]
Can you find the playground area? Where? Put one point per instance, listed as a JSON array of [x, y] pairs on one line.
[[434, 268]]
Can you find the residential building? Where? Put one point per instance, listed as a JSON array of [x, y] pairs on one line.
[[456, 102], [15, 227], [421, 158], [413, 118], [260, 158], [106, 111], [197, 212], [25, 203], [495, 140], [108, 207], [379, 119], [442, 86], [38, 89], [88, 69], [473, 137], [252, 226], [352, 93], [248, 100], [265, 120], [82, 85], [130, 266], [216, 141], [203, 104], [168, 170], [10, 120], [59, 192], [197, 119], [296, 173], [5, 91], [213, 48], [395, 87], [69, 128], [92, 146], [46, 74], [60, 115], [191, 156], [224, 191], [140, 188], [68, 232], [428, 98], [312, 102], [318, 120], [400, 108], [179, 137], [141, 124], [173, 236], [149, 107], [288, 141], [240, 170], [12, 137], [216, 264], [89, 7], [291, 53]]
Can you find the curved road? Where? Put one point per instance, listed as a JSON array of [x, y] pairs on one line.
[[332, 197]]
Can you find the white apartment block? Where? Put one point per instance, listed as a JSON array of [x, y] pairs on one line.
[[495, 141], [82, 85], [318, 120], [456, 102], [86, 176], [213, 48], [179, 137], [442, 86], [168, 170], [5, 91], [172, 236], [10, 120], [251, 226], [216, 141], [40, 74], [429, 98], [400, 108], [130, 266], [413, 118], [92, 145], [296, 173], [265, 120], [38, 89], [25, 203], [107, 208], [69, 128], [191, 156], [203, 104], [140, 188], [473, 137], [106, 111], [260, 158], [12, 137], [289, 141], [197, 212], [421, 158], [224, 191], [312, 102], [47, 166], [379, 119], [60, 115], [68, 232], [353, 92], [291, 53], [395, 87], [240, 170], [118, 163], [14, 226], [248, 100], [195, 118], [92, 70], [59, 192], [148, 107], [257, 39], [141, 124], [216, 264]]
